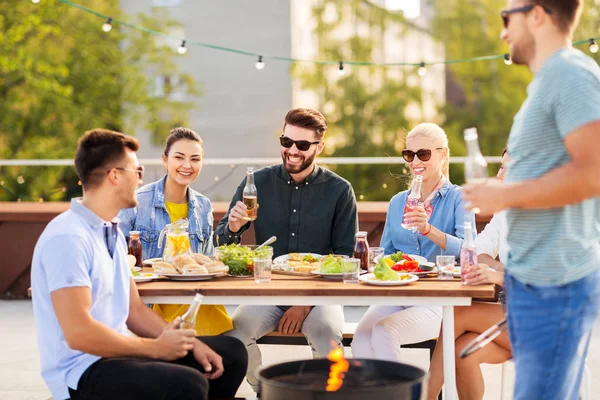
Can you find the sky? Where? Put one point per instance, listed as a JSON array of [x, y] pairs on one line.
[[411, 8]]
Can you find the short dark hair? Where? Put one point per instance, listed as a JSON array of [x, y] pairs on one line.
[[307, 119], [99, 148], [180, 133], [565, 13]]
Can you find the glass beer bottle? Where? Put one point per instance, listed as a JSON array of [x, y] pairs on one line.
[[135, 247], [188, 320], [250, 195], [468, 253], [361, 250], [475, 165]]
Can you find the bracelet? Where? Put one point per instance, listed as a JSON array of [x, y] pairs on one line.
[[427, 233]]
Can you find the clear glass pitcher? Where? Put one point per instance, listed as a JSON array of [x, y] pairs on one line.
[[177, 240]]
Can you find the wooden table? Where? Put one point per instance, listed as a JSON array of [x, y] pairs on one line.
[[289, 290]]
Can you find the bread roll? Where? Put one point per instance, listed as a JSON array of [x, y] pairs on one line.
[[216, 267], [194, 269], [182, 260], [201, 258], [161, 267]]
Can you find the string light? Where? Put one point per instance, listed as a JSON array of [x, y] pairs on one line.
[[35, 1], [259, 64], [107, 27], [182, 49], [20, 180], [362, 197], [384, 185], [593, 46], [422, 70], [507, 59], [341, 71], [217, 179]]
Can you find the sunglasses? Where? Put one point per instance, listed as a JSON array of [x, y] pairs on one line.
[[506, 13], [422, 154], [139, 170], [301, 145]]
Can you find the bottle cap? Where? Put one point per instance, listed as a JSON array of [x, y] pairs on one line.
[[134, 233], [470, 133]]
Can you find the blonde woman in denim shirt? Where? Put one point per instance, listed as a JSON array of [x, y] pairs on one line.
[[168, 200], [439, 230]]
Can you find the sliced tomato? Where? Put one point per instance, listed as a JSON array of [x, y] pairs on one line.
[[411, 266], [407, 257]]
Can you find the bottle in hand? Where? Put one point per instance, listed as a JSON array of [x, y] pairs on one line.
[[412, 200], [475, 165], [468, 253], [188, 320], [250, 195]]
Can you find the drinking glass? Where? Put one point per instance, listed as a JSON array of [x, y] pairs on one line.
[[262, 270], [374, 252], [350, 270], [445, 266]]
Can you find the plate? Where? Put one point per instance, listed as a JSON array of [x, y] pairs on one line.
[[194, 277], [326, 275], [240, 276], [136, 269], [456, 272], [370, 279], [292, 273], [415, 257], [145, 277], [151, 261]]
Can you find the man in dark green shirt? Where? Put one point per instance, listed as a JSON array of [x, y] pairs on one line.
[[310, 210]]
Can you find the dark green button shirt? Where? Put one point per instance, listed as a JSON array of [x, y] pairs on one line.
[[315, 216]]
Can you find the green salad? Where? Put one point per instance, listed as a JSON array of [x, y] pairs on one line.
[[240, 258], [396, 256], [383, 272], [331, 264]]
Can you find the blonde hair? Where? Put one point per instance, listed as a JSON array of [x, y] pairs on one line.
[[437, 134]]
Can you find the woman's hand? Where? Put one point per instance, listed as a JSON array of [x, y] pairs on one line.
[[482, 274], [418, 218]]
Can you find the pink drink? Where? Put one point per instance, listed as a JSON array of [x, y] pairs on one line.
[[411, 203], [468, 259]]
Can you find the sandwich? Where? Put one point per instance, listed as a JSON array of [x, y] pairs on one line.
[[182, 260], [201, 258], [216, 267], [194, 269], [161, 267]]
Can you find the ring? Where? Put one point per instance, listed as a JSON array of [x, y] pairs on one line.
[[476, 210]]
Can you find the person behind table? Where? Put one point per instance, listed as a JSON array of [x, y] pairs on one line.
[[439, 230], [471, 321], [85, 300], [310, 209], [168, 200], [552, 197]]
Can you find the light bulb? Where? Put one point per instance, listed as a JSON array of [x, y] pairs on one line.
[[593, 46], [341, 71], [259, 64], [507, 59], [422, 70], [35, 1], [182, 49], [107, 25]]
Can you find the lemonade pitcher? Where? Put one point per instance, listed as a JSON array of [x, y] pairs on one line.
[[177, 240]]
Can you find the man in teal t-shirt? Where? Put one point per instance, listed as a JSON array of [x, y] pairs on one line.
[[552, 194]]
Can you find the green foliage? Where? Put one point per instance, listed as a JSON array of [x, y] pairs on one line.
[[365, 107], [61, 75]]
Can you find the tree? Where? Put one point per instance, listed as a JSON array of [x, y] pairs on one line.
[[61, 75], [365, 107]]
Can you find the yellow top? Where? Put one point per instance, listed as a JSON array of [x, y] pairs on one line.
[[212, 319]]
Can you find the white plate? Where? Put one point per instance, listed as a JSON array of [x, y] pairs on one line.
[[370, 279], [415, 257], [136, 269], [151, 261], [283, 258], [193, 277], [145, 277], [326, 275]]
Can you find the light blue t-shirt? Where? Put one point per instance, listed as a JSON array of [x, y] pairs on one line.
[[73, 251], [551, 247], [448, 216]]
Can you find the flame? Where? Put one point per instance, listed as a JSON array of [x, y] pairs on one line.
[[338, 369]]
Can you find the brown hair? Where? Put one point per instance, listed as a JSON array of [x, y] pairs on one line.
[[307, 119], [97, 149], [565, 13], [180, 133]]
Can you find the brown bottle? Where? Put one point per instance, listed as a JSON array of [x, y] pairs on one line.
[[135, 247], [361, 250]]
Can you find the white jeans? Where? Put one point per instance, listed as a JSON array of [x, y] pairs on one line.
[[322, 325], [383, 329]]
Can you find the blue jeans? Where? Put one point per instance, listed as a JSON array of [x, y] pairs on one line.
[[550, 328]]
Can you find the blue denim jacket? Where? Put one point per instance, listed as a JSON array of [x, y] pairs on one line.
[[151, 216], [448, 216]]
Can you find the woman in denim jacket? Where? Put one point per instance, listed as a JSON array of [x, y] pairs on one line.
[[168, 200]]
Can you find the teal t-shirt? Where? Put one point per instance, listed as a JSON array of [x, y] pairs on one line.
[[552, 247]]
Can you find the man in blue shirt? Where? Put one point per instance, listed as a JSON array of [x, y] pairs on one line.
[[85, 301], [552, 194]]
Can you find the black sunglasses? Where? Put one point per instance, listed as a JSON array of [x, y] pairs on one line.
[[301, 145], [422, 154], [505, 14]]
